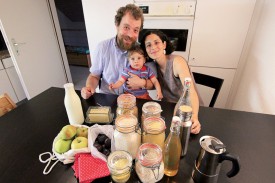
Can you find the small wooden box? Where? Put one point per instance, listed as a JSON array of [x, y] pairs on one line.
[[6, 104]]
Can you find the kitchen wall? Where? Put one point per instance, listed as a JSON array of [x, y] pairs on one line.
[[255, 85]]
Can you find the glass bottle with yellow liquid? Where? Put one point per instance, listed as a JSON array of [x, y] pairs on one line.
[[172, 149]]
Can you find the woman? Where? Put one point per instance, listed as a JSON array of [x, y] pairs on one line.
[[172, 69]]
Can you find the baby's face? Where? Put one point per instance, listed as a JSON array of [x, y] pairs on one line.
[[136, 60]]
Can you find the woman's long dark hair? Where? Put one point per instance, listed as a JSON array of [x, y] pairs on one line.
[[169, 46]]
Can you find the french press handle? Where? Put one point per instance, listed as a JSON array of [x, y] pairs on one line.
[[235, 163]]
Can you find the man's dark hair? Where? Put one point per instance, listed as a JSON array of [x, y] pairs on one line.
[[134, 10]]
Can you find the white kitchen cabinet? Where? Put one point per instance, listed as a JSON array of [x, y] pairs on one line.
[[206, 93], [219, 33], [5, 85], [10, 82]]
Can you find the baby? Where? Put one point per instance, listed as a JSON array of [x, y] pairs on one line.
[[136, 59]]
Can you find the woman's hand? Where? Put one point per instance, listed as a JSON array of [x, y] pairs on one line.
[[196, 126]]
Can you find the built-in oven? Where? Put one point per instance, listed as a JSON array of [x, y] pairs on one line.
[[174, 18]]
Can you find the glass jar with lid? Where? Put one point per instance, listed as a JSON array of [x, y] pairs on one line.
[[126, 104], [149, 164], [154, 131], [150, 109], [127, 135], [120, 165]]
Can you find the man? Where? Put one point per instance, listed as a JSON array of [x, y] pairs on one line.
[[110, 56]]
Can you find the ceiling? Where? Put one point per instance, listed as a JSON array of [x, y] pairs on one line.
[[71, 8]]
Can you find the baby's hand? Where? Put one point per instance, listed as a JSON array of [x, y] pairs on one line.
[[111, 86], [159, 95]]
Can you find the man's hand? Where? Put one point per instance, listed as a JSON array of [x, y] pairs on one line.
[[135, 82], [87, 92]]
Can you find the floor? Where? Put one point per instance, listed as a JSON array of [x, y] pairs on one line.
[[79, 76]]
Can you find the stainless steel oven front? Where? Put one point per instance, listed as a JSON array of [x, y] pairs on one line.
[[174, 18]]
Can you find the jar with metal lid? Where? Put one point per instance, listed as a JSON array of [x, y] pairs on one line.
[[126, 104], [150, 109], [120, 165], [127, 135], [149, 164], [154, 131]]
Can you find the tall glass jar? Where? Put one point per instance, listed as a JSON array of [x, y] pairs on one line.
[[120, 165], [126, 104], [154, 131], [127, 134], [149, 164], [150, 109]]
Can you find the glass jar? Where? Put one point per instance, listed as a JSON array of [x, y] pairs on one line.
[[120, 165], [126, 104], [150, 109], [127, 134], [149, 164], [154, 131]]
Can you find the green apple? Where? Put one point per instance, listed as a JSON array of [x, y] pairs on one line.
[[68, 132], [79, 142], [82, 132], [62, 146]]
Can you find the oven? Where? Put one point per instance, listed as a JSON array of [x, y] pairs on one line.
[[174, 18]]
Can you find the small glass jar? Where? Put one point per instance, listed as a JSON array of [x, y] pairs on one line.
[[150, 109], [127, 135], [126, 104], [154, 131], [120, 165], [149, 164]]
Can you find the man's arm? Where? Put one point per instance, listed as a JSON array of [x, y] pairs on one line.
[[135, 82], [91, 84]]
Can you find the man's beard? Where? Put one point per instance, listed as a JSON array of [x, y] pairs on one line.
[[123, 46]]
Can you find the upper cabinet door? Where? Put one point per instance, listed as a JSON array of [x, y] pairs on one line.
[[28, 29], [219, 32]]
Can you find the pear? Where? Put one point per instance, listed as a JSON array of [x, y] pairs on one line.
[[67, 132], [62, 146]]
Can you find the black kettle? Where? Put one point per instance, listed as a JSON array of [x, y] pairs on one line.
[[208, 163]]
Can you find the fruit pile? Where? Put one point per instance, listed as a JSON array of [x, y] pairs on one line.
[[71, 137], [103, 144]]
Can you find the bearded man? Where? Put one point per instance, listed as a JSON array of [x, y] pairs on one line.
[[110, 56]]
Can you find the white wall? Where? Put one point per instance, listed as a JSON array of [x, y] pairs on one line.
[[100, 19], [255, 92]]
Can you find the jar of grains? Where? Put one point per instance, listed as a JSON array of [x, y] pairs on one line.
[[127, 134], [150, 109], [120, 165], [149, 164], [154, 131], [126, 104]]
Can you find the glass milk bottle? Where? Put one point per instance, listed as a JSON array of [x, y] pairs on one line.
[[172, 149], [183, 110], [73, 105]]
